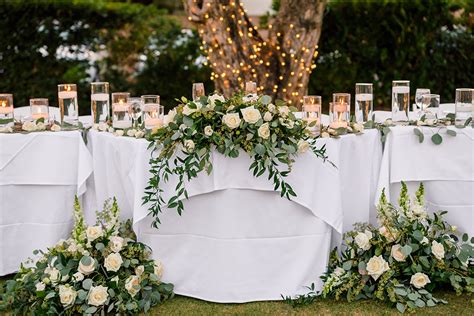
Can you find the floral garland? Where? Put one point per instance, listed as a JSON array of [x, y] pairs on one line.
[[411, 254], [38, 125], [128, 132], [99, 270], [269, 133]]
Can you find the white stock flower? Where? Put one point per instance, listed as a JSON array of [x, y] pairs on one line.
[[264, 131], [103, 127], [324, 135], [97, 295], [251, 115], [391, 235], [119, 132], [113, 262], [377, 266], [93, 232], [418, 210], [131, 132], [189, 145], [437, 249], [231, 120], [139, 270], [212, 100], [55, 128], [40, 286], [116, 243], [283, 110], [132, 285], [303, 146], [397, 253], [267, 117], [86, 269], [67, 295], [170, 117], [271, 107], [208, 130], [158, 268], [362, 240], [78, 276], [419, 280]]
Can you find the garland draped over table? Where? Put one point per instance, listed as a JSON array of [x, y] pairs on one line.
[[269, 133]]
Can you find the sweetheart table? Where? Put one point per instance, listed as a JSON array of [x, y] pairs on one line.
[[40, 173], [238, 240]]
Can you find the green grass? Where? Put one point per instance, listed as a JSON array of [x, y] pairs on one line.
[[180, 305]]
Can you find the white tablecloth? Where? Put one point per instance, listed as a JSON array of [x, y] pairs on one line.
[[447, 171], [236, 235], [39, 175]]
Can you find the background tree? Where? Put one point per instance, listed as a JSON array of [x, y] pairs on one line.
[[281, 64]]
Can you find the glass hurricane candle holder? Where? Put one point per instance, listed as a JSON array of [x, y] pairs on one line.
[[312, 113], [400, 100], [39, 109], [100, 102], [251, 88], [198, 91], [121, 116], [364, 100], [68, 107], [339, 110], [136, 106], [153, 112], [430, 105], [6, 109], [464, 105]]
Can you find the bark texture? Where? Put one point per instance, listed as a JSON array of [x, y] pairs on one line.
[[280, 64]]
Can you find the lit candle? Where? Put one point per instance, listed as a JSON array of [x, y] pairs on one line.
[[153, 120], [39, 114], [4, 109], [121, 106], [340, 108]]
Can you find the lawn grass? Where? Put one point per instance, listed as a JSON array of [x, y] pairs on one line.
[[180, 305]]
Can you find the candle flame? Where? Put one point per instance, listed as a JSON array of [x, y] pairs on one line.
[[4, 104], [120, 101], [68, 88]]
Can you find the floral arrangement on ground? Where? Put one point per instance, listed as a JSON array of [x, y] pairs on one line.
[[269, 133], [100, 269], [410, 255]]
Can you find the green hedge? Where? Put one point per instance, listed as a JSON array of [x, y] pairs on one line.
[[381, 41]]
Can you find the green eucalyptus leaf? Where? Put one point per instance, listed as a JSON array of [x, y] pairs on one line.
[[451, 132], [437, 139]]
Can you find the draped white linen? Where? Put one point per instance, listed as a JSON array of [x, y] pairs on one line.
[[39, 175], [238, 240], [446, 170]]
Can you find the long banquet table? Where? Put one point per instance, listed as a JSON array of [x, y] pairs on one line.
[[39, 175], [237, 240]]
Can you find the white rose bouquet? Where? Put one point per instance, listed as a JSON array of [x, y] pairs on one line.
[[411, 254], [100, 269], [269, 133]]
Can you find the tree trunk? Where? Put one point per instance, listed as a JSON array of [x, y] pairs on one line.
[[281, 64]]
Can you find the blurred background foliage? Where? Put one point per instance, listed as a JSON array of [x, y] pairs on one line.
[[140, 46]]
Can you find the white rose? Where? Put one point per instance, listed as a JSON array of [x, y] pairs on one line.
[[78, 276], [6, 129], [251, 115], [430, 122], [55, 128], [103, 126], [93, 232], [376, 267], [357, 127], [132, 285], [437, 249], [67, 295], [363, 240], [271, 107], [288, 123], [139, 270], [419, 280], [87, 269], [390, 235], [28, 126], [95, 127], [232, 120], [110, 130], [188, 111], [212, 100], [208, 131], [267, 117], [283, 110], [54, 275], [388, 122], [40, 126], [264, 131], [131, 132], [397, 253], [113, 262], [324, 134], [97, 295], [72, 247], [119, 132], [139, 134], [40, 286], [158, 268], [425, 241], [170, 117], [189, 145], [303, 146], [116, 243]]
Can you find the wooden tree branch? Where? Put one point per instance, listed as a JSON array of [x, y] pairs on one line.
[[237, 52]]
